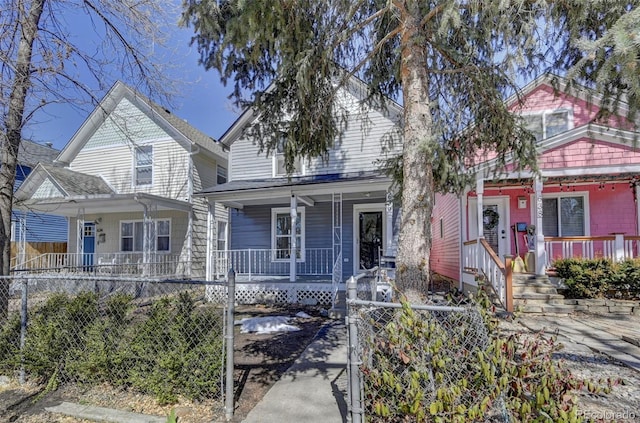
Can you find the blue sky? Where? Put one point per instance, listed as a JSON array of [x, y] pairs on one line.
[[203, 101]]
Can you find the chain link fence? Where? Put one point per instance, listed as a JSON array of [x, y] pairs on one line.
[[412, 362], [165, 339]]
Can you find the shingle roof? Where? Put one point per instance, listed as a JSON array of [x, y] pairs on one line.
[[242, 185], [31, 153], [76, 183]]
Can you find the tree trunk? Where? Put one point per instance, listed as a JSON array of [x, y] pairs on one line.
[[11, 143], [417, 191]]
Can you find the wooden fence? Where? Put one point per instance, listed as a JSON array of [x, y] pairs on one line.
[[34, 249]]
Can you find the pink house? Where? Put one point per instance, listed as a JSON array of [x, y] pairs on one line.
[[583, 203]]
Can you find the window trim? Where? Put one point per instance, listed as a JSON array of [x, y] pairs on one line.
[[155, 222], [545, 112], [226, 234], [556, 195], [287, 210], [136, 166]]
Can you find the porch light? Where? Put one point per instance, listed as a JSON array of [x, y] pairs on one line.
[[522, 202]]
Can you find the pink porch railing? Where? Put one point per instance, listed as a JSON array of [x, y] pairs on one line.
[[616, 247], [271, 262]]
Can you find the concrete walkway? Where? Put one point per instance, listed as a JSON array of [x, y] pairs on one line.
[[314, 388], [615, 336]]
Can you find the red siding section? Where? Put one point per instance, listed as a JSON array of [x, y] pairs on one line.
[[445, 247], [587, 152]]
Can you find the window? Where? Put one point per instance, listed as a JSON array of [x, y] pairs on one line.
[[221, 175], [144, 165], [548, 124], [279, 159], [563, 216], [132, 235], [282, 232], [222, 236]]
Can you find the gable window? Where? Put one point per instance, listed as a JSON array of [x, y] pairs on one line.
[[144, 165], [279, 168], [221, 175], [282, 232], [132, 235], [548, 124], [564, 216]]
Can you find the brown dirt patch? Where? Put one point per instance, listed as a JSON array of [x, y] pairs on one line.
[[260, 360]]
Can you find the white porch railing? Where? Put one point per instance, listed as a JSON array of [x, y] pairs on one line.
[[155, 264], [480, 259], [272, 262], [615, 247]]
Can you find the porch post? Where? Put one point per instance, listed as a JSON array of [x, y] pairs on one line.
[[480, 205], [294, 240], [146, 234], [79, 238], [540, 253], [637, 188], [22, 251], [388, 236], [209, 261]]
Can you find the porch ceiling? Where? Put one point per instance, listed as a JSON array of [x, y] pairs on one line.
[[94, 204]]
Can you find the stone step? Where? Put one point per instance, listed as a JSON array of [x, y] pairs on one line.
[[545, 309], [534, 287]]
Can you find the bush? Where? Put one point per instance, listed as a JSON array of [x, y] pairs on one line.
[[599, 278], [176, 349], [419, 367]]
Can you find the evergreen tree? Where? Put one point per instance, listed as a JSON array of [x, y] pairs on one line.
[[452, 63]]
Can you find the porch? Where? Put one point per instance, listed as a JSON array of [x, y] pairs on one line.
[[480, 260], [155, 265]]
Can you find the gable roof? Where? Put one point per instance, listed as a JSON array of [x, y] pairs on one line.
[[180, 129], [67, 182], [354, 85]]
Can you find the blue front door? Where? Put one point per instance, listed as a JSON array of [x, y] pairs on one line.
[[88, 244]]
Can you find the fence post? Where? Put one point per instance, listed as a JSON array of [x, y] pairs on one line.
[[231, 298], [508, 283], [355, 399], [23, 327]]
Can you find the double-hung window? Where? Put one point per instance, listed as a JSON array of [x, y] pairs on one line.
[[549, 123], [132, 235], [283, 230], [143, 164], [279, 167], [564, 215]]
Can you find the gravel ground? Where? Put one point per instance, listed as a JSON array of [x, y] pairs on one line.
[[622, 404]]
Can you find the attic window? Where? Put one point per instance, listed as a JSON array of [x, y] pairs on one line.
[[144, 165], [221, 176], [279, 159], [548, 124]]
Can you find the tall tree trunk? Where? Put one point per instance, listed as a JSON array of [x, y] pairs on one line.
[[13, 123], [417, 190]]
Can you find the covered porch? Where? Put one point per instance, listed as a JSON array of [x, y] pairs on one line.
[[118, 234], [315, 231]]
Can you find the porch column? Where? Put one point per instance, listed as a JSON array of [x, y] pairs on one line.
[[294, 238], [637, 188], [22, 243], [480, 205], [146, 241], [480, 219], [79, 238], [388, 236], [209, 262], [541, 260]]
